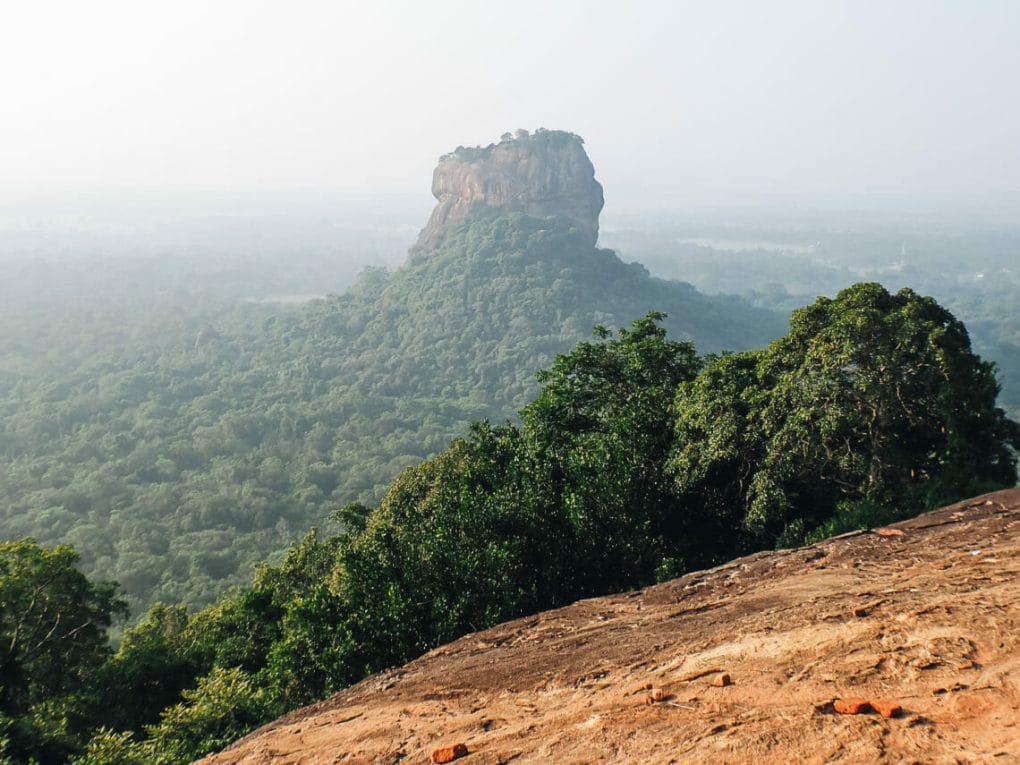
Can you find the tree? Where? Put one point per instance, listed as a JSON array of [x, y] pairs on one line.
[[603, 424], [226, 704], [156, 660], [107, 747], [459, 543], [870, 397], [53, 637]]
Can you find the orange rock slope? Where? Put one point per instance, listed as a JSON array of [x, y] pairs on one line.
[[924, 614]]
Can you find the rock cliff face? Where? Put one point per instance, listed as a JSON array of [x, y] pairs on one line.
[[543, 174]]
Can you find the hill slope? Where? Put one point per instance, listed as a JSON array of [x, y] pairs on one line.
[[176, 461], [925, 612]]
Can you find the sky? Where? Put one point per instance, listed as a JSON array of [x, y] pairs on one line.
[[722, 98]]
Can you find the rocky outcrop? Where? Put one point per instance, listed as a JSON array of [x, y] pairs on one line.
[[821, 645], [543, 174]]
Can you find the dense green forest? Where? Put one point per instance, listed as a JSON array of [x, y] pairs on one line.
[[169, 427], [177, 435], [638, 460]]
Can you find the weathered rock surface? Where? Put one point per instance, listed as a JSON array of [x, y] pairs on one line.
[[544, 174], [924, 615]]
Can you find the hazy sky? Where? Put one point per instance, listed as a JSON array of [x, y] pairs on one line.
[[673, 97]]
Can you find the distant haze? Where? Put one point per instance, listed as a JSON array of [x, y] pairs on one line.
[[674, 99]]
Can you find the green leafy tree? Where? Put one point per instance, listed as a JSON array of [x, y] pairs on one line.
[[603, 425], [871, 397], [53, 638], [512, 520], [304, 653], [107, 747], [226, 704], [156, 660], [459, 543]]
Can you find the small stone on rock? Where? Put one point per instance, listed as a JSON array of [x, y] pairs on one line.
[[887, 708], [449, 753], [851, 706]]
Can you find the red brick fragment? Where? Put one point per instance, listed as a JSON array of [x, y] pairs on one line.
[[722, 681], [887, 708], [449, 753], [851, 706], [890, 532]]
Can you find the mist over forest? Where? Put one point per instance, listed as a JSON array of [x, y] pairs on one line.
[[93, 303], [217, 411], [274, 417], [65, 265]]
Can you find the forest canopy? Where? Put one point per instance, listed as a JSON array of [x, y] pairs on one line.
[[176, 447], [637, 461]]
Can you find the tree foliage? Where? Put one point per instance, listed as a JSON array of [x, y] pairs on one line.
[[870, 397], [174, 458], [602, 427], [53, 638], [636, 461], [226, 704], [159, 416]]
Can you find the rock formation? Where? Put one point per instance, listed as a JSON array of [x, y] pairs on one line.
[[543, 174], [897, 644]]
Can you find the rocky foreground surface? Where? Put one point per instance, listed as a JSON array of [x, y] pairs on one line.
[[924, 614]]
